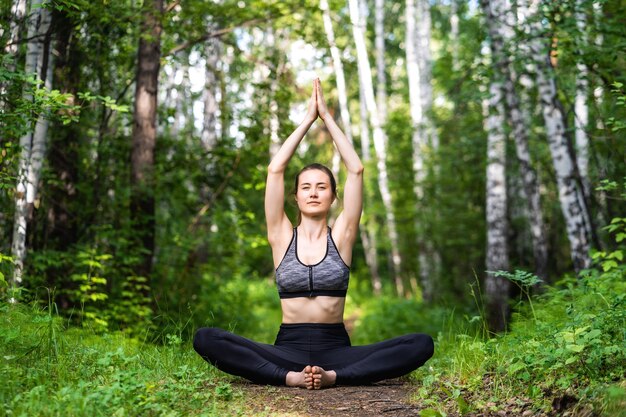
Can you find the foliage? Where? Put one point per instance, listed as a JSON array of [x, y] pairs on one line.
[[18, 118], [74, 372], [572, 344]]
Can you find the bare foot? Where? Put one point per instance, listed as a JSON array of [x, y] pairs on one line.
[[302, 379], [322, 378]]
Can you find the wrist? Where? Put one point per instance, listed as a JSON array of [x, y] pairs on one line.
[[309, 120]]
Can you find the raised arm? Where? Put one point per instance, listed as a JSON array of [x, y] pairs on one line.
[[346, 226], [278, 224]]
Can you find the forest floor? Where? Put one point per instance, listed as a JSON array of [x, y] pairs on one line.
[[387, 398]]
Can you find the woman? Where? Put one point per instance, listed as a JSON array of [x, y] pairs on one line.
[[312, 349]]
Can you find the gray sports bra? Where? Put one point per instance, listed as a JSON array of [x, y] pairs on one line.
[[329, 276]]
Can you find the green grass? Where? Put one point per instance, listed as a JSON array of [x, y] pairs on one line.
[[51, 371], [572, 345]]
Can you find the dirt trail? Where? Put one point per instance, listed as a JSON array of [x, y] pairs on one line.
[[387, 398]]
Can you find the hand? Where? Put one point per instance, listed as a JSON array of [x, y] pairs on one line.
[[322, 109], [312, 113]]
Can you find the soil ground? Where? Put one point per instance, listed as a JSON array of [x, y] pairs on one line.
[[387, 398]]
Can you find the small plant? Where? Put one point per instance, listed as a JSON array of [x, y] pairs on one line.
[[524, 281]]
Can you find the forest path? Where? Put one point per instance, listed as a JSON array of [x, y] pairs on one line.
[[387, 398]]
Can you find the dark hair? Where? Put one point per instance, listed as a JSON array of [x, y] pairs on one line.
[[319, 167]]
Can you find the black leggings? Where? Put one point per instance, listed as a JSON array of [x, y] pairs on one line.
[[324, 345]]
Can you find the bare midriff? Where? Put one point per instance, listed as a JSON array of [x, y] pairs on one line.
[[320, 309]]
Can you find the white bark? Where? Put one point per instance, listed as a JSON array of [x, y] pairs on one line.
[[365, 81], [18, 11], [341, 81], [598, 91], [581, 110], [368, 233], [364, 127], [496, 288], [415, 66], [454, 33], [32, 144], [501, 21], [415, 97], [571, 196], [211, 105], [368, 239], [428, 257], [275, 142], [381, 77]]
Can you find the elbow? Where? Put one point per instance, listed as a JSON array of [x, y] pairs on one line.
[[272, 168], [358, 169]]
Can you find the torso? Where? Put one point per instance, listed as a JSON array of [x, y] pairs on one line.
[[319, 308]]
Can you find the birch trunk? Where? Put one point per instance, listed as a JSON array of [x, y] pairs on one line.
[[598, 91], [428, 255], [413, 43], [571, 195], [341, 81], [454, 34], [145, 133], [211, 105], [18, 12], [368, 239], [501, 21], [381, 77], [274, 123], [496, 288], [581, 110], [32, 144], [365, 82]]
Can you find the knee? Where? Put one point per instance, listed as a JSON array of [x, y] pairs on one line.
[[423, 344], [206, 340]]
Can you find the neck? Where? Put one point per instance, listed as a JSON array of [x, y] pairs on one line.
[[312, 228]]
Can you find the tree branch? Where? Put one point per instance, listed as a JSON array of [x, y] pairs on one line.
[[171, 6], [210, 35], [194, 223]]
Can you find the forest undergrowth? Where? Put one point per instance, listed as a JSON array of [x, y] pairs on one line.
[[565, 351]]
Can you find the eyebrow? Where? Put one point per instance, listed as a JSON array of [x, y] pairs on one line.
[[318, 183]]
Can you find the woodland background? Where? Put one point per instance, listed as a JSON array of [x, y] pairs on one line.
[[135, 138]]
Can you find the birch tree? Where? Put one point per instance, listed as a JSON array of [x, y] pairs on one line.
[[211, 105], [368, 233], [381, 77], [145, 132], [571, 195], [581, 109], [496, 288], [454, 33], [18, 12], [416, 64], [367, 238], [365, 82], [500, 22], [32, 144]]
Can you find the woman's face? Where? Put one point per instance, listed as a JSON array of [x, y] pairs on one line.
[[314, 194]]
